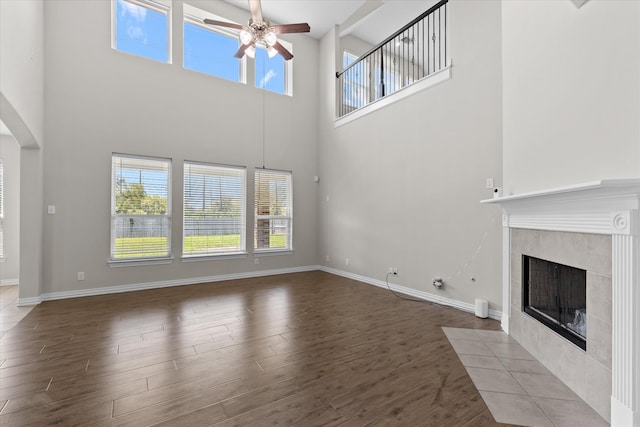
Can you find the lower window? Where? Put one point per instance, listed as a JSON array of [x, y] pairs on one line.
[[140, 207], [273, 210], [214, 210]]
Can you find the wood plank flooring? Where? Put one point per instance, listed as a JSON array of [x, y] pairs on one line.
[[301, 349]]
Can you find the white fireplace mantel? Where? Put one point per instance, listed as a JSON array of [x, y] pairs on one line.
[[610, 207]]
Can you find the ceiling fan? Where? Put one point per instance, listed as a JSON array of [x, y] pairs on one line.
[[260, 29]]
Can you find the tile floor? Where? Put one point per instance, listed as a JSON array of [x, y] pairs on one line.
[[514, 385], [10, 315]]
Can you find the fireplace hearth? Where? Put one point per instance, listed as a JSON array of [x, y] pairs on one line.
[[556, 296]]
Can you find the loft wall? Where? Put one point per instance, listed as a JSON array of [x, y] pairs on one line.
[[400, 187], [99, 101], [571, 92]]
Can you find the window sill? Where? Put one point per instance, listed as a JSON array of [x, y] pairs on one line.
[[272, 252], [139, 262], [211, 257]]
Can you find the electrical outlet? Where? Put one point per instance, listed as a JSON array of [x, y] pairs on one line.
[[346, 261], [256, 261], [327, 258], [393, 270], [80, 275]]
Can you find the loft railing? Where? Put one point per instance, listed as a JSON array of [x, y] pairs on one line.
[[414, 52]]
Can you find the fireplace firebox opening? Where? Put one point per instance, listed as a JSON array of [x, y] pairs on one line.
[[556, 296]]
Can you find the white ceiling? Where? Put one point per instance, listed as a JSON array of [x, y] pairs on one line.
[[390, 16]]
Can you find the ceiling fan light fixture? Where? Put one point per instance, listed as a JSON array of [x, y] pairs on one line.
[[270, 37], [245, 36], [251, 51], [259, 30]]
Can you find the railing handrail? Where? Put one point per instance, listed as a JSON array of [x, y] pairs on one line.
[[393, 36]]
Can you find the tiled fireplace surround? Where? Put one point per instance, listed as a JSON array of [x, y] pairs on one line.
[[594, 227], [587, 373]]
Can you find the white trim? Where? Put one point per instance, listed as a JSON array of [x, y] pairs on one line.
[[272, 252], [429, 81], [9, 282], [569, 192], [460, 305], [25, 302], [213, 257], [139, 262], [506, 273], [162, 284]]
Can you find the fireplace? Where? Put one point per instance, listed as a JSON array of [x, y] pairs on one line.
[[596, 227], [556, 296]]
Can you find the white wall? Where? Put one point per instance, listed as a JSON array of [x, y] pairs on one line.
[[571, 92], [22, 109], [100, 101], [22, 68], [10, 155], [401, 186]]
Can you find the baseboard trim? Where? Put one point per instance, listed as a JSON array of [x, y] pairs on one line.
[[162, 284], [460, 305], [9, 282]]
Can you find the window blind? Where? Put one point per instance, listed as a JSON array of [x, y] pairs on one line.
[[140, 207], [214, 220], [273, 210]]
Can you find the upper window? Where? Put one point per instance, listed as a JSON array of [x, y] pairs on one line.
[[142, 27], [356, 79], [390, 80], [209, 49], [273, 210], [214, 209], [272, 73], [140, 207]]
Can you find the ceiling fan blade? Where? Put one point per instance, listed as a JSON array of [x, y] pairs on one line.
[[256, 10], [223, 24], [283, 51], [302, 27], [240, 52]]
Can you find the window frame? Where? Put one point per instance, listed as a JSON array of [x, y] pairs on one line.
[[161, 6], [242, 250], [288, 248], [141, 260]]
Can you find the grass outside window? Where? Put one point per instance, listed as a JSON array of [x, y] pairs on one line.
[[194, 245]]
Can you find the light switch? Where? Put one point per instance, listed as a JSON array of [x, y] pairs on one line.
[[51, 209], [489, 183]]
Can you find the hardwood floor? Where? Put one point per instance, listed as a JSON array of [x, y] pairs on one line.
[[300, 349]]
